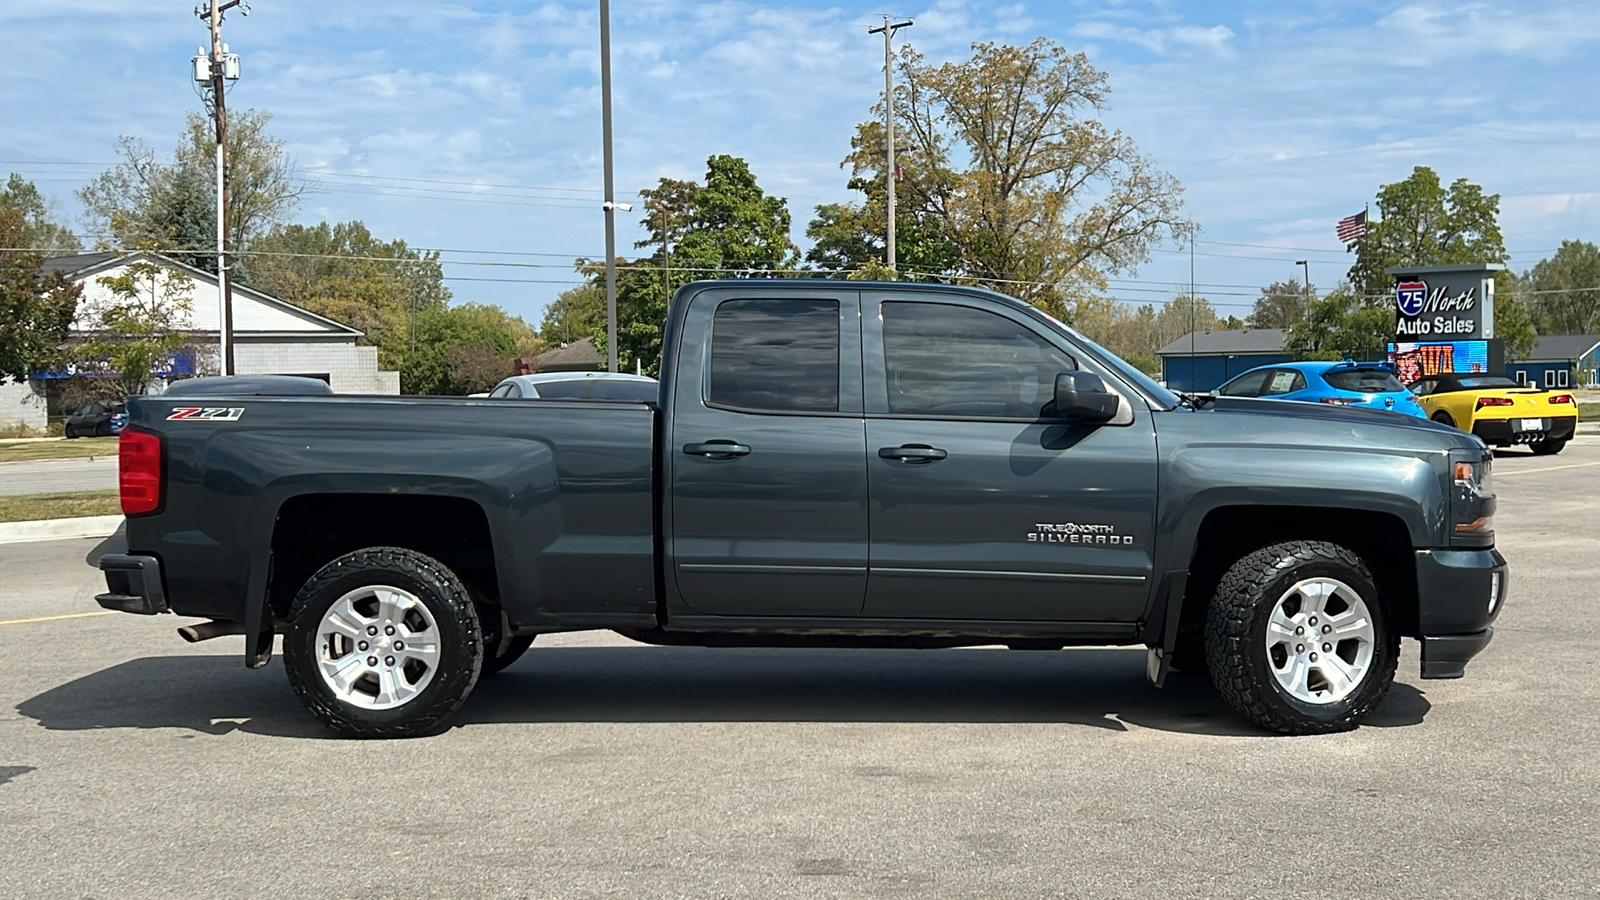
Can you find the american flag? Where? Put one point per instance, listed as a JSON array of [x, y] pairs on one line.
[[1352, 228]]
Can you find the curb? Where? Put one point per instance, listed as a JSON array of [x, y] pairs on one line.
[[58, 529]]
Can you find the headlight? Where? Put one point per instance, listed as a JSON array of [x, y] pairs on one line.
[[1472, 501]]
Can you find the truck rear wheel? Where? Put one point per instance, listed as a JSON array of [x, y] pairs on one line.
[[1298, 639], [383, 642]]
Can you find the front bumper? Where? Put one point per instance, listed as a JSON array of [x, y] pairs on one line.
[[133, 584], [1504, 432], [1460, 593]]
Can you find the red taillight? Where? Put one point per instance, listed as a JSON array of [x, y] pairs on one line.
[[139, 471], [1340, 401], [1561, 398], [1493, 401]]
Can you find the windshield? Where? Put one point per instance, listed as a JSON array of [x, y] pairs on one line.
[[1488, 381], [1364, 381], [1165, 398]]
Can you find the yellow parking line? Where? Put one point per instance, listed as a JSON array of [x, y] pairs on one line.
[[109, 612], [1507, 474]]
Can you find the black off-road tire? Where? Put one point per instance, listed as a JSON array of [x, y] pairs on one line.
[[508, 654], [1236, 628], [1548, 447], [454, 615]]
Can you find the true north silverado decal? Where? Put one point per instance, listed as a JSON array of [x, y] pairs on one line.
[[208, 413], [1075, 533]]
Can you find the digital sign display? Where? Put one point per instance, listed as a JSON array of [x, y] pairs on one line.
[[1421, 358]]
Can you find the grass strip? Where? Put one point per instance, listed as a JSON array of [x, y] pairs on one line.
[[63, 449], [71, 505]]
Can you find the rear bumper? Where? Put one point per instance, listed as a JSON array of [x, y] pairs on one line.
[[133, 584], [1460, 593], [1504, 432]]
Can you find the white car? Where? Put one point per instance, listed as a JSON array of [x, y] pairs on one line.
[[579, 386]]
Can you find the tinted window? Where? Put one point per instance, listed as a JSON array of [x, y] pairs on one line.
[[948, 360], [1283, 381], [1247, 385], [576, 389], [634, 391], [1363, 381], [500, 391], [779, 355]]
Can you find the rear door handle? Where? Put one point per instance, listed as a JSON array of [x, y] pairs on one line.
[[717, 449], [912, 453]]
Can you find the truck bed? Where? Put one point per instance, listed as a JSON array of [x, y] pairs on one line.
[[547, 505]]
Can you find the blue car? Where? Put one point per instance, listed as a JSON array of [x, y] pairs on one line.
[[1369, 384]]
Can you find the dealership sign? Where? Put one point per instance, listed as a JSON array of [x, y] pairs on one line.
[[1444, 302]]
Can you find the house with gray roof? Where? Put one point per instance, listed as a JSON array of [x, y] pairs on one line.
[[1200, 361], [1560, 360]]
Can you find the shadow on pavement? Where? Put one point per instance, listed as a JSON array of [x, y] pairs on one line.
[[1097, 688]]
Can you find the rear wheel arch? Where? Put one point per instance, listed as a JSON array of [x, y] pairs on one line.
[[312, 530]]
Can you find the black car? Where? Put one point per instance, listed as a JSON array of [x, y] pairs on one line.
[[97, 419]]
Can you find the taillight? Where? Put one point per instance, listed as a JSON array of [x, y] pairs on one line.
[[139, 472], [1493, 401], [1340, 401], [1561, 398]]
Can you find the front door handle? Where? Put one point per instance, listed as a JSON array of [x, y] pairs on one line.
[[717, 449], [912, 453]]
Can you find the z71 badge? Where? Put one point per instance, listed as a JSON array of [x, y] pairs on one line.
[[207, 413]]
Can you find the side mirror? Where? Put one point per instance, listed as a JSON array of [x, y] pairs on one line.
[[1082, 397]]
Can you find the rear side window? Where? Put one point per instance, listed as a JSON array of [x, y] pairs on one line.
[[776, 355], [1364, 381], [1247, 385]]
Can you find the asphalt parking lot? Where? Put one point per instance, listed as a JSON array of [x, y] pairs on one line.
[[134, 765]]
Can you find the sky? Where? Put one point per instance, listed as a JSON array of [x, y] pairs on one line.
[[474, 127]]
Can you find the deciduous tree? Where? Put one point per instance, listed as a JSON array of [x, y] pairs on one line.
[[1422, 223], [342, 271], [1563, 291], [1282, 304], [40, 230], [36, 308], [171, 206], [1002, 154]]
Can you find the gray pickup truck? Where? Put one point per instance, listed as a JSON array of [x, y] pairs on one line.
[[829, 464]]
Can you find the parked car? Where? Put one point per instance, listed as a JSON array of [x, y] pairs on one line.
[[830, 464], [1500, 411], [1368, 384], [96, 419], [579, 386]]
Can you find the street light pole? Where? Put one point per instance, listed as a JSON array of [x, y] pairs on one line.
[[1306, 265], [888, 30], [610, 202]]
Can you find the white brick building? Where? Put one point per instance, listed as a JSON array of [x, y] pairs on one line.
[[271, 337]]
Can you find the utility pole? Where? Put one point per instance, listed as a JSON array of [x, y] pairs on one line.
[[218, 68], [610, 205], [888, 30]]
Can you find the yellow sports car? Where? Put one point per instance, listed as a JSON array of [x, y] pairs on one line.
[[1499, 411]]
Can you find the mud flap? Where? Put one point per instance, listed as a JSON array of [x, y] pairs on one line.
[[258, 625], [1158, 660]]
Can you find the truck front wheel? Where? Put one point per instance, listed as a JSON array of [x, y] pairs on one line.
[[383, 642], [1298, 639]]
